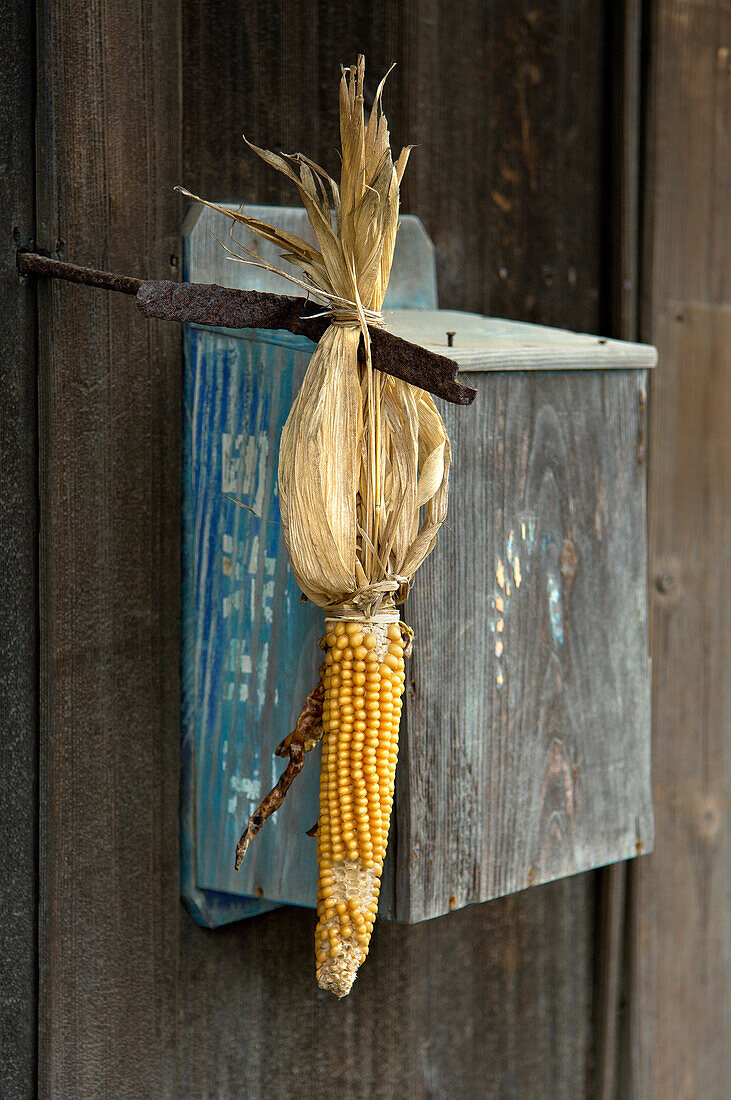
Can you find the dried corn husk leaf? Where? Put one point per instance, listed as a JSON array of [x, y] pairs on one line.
[[364, 458]]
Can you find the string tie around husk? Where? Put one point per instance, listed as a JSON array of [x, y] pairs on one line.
[[348, 314], [372, 601]]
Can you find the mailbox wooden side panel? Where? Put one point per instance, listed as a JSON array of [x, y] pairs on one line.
[[526, 755]]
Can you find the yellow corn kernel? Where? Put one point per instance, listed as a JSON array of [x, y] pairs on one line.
[[363, 686]]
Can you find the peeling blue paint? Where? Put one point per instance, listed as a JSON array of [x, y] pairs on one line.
[[244, 675]]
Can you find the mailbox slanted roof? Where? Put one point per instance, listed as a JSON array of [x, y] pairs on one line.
[[492, 344]]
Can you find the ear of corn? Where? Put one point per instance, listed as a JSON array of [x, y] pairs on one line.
[[363, 481], [364, 683]]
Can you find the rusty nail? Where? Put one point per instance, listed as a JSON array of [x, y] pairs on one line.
[[450, 339]]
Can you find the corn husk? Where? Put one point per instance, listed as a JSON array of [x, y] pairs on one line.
[[364, 457]]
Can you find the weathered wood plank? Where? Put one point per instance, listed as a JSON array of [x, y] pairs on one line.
[[108, 156], [527, 747], [494, 344], [680, 1010], [504, 104], [18, 568], [442, 1009], [276, 81], [680, 1019]]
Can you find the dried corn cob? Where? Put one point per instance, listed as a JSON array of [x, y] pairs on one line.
[[364, 682]]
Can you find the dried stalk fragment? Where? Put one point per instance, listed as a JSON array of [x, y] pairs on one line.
[[303, 738]]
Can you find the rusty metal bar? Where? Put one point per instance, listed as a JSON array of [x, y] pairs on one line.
[[209, 304], [30, 263]]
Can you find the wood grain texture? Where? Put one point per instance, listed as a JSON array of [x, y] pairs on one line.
[[680, 1010], [494, 344], [487, 1003], [527, 748], [108, 157], [680, 1018], [505, 98], [18, 568], [503, 102]]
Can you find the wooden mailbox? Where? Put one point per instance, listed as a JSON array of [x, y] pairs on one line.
[[526, 738]]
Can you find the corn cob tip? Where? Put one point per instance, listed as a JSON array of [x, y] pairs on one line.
[[355, 892]]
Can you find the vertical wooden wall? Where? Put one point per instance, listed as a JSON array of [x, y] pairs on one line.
[[679, 1020], [18, 566], [108, 155], [509, 105]]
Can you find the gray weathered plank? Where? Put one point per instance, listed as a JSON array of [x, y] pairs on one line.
[[108, 155], [493, 343], [489, 1003], [680, 1015], [680, 1005], [527, 748], [18, 568]]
